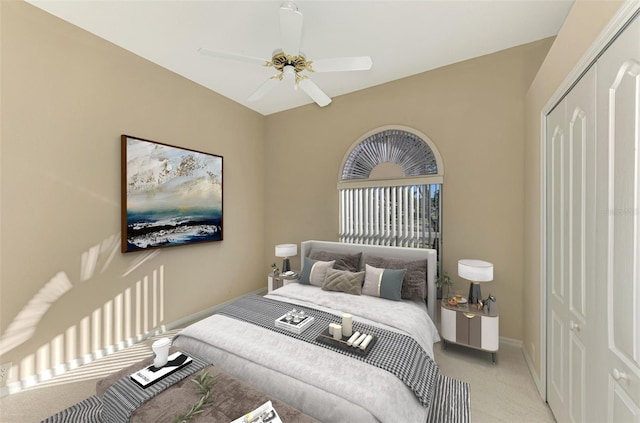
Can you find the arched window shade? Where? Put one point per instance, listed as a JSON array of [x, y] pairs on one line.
[[391, 156], [407, 150], [390, 187]]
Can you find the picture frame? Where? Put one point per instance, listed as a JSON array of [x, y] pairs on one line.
[[171, 196]]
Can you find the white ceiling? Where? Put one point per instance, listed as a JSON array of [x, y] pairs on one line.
[[403, 38]]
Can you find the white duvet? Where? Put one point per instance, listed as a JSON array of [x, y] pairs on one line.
[[328, 386]]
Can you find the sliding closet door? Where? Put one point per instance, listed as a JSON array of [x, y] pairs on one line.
[[557, 372], [570, 249], [619, 221]]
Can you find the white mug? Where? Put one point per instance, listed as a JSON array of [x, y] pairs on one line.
[[160, 352]]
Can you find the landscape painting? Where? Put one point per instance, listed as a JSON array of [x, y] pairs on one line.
[[170, 196]]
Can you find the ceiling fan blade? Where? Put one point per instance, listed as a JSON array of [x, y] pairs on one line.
[[339, 64], [290, 28], [267, 86], [231, 56], [314, 92]]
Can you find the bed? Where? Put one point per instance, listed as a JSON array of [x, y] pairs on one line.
[[330, 386]]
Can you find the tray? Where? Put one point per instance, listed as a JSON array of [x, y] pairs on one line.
[[298, 328], [325, 338], [149, 375]]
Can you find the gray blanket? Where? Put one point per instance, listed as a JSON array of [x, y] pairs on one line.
[[327, 386]]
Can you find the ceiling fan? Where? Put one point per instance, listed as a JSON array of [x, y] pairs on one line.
[[291, 62]]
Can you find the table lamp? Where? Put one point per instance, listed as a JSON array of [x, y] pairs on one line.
[[475, 271], [286, 251]]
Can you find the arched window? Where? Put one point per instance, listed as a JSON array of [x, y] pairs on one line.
[[390, 186]]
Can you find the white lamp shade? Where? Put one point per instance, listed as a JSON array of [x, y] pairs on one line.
[[475, 270], [286, 250]]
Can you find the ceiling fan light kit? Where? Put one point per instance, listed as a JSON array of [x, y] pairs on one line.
[[280, 59], [290, 62], [289, 74]]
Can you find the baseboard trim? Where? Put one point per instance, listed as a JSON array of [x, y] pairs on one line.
[[534, 374], [511, 342], [46, 375]]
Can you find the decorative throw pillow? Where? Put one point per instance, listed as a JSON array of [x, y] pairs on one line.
[[314, 271], [343, 281], [384, 283], [344, 261], [414, 285]]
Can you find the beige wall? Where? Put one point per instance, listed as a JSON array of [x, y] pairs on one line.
[[583, 25], [67, 96], [474, 113]]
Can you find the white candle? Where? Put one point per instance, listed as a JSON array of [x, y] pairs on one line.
[[366, 341], [331, 325], [347, 321], [353, 338], [359, 340], [337, 332]]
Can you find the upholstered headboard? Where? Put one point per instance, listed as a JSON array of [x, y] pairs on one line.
[[383, 251]]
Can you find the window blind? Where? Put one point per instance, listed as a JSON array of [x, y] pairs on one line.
[[403, 216]]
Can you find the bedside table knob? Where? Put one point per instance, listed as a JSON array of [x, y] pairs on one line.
[[617, 374], [574, 326]]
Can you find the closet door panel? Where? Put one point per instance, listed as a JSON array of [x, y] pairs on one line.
[[619, 123], [570, 188], [557, 313], [581, 117], [621, 408]]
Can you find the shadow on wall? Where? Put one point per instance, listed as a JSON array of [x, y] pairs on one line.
[[129, 317]]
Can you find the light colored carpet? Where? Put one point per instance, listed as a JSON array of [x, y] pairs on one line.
[[503, 392]]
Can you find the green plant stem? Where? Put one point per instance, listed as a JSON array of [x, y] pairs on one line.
[[204, 382]]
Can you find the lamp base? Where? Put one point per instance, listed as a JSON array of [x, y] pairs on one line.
[[285, 265], [475, 295]]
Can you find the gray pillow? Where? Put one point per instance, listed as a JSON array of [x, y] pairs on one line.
[[314, 271], [344, 261], [343, 281], [414, 285], [383, 283]]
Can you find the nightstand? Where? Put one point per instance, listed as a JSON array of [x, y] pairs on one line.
[[275, 282], [464, 324]]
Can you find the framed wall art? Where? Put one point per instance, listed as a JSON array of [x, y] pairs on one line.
[[170, 195]]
